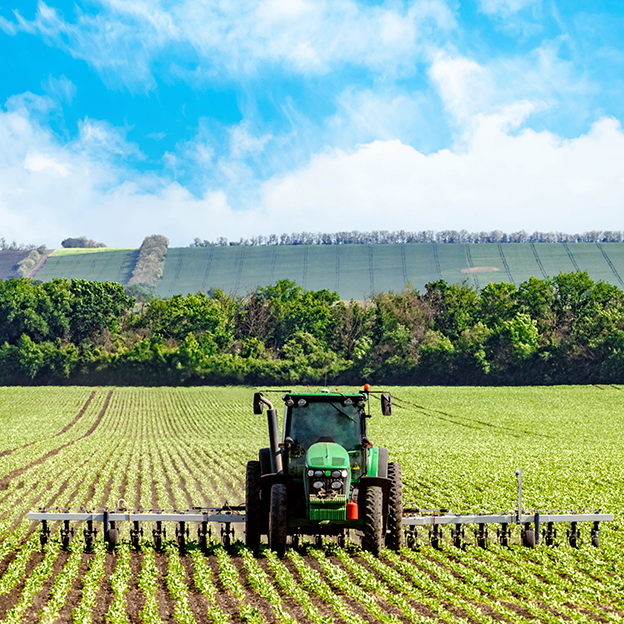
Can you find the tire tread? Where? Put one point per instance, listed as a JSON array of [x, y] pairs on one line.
[[394, 536], [253, 506]]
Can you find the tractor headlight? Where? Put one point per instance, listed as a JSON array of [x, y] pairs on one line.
[[337, 473], [302, 402], [344, 474], [310, 473], [290, 402], [317, 485], [336, 485], [318, 473]]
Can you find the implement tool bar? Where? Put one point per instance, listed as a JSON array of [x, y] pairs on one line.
[[138, 517], [509, 518]]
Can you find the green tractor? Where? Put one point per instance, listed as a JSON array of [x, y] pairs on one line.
[[324, 477]]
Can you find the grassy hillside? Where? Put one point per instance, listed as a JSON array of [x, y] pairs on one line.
[[357, 270], [8, 261], [353, 270], [102, 265]]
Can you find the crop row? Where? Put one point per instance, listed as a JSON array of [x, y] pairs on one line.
[[181, 447]]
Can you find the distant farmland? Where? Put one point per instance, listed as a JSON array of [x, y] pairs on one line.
[[101, 265], [8, 262], [354, 271]]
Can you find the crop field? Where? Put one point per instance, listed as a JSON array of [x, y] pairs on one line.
[[173, 448], [354, 271], [8, 262], [101, 265]]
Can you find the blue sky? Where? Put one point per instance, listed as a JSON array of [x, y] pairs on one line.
[[192, 118]]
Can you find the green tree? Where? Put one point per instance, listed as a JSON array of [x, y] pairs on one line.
[[176, 318], [455, 307], [292, 310]]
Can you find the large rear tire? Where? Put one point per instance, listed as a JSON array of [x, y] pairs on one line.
[[253, 506], [394, 535], [278, 519], [373, 521]]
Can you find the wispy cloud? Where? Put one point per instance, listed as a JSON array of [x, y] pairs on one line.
[[236, 38], [60, 89], [468, 88], [505, 8]]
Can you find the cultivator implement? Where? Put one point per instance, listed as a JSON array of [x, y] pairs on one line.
[[535, 525], [531, 525], [111, 520]]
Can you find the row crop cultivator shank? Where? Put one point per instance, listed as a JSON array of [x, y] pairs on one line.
[[413, 518], [111, 520], [530, 523]]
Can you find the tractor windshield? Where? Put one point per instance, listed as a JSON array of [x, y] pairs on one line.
[[325, 421]]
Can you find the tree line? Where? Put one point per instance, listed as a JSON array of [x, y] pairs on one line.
[[568, 329], [385, 237]]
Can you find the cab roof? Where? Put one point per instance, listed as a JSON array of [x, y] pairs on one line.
[[324, 395]]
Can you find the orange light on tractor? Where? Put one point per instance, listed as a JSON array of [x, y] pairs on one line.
[[367, 387]]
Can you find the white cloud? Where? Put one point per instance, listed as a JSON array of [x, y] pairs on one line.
[[532, 180], [468, 88], [40, 162], [497, 177], [465, 86], [239, 37], [244, 143], [367, 114]]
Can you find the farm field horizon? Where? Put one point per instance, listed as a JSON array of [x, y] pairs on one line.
[[355, 271], [174, 448]]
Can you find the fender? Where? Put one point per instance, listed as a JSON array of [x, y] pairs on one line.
[[268, 480]]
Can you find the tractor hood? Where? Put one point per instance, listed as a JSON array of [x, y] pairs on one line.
[[328, 455]]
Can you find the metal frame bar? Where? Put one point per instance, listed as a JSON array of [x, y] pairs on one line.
[[138, 517], [508, 518]]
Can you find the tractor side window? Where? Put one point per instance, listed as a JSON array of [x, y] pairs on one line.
[[325, 421]]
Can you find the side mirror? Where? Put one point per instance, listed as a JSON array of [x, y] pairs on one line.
[[386, 404], [258, 405]]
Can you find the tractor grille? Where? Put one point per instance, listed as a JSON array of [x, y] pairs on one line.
[[328, 508]]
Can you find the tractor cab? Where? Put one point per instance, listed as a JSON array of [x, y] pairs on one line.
[[336, 421], [324, 477]]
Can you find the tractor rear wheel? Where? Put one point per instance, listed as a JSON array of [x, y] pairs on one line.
[[394, 535], [278, 519], [373, 521], [253, 506]]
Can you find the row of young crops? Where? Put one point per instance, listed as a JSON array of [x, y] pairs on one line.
[[172, 448]]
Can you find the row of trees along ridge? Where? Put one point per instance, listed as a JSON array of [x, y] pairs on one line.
[[426, 236]]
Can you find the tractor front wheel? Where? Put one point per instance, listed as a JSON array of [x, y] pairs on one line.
[[278, 519], [394, 536], [373, 521], [253, 506]]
